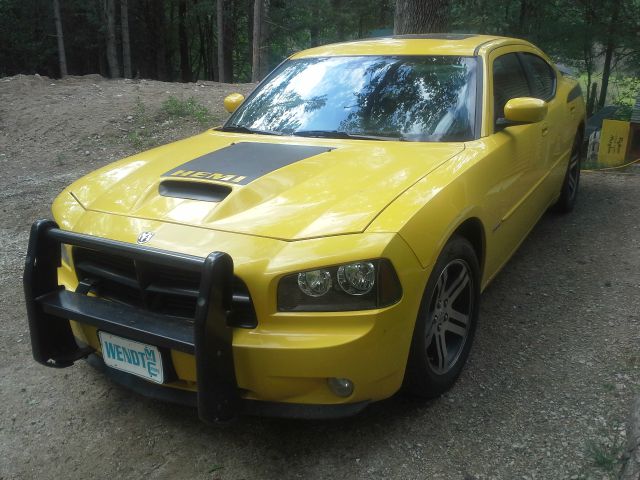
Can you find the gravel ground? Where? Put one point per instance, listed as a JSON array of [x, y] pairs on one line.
[[549, 385]]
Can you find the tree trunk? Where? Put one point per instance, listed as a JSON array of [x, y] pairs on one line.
[[202, 55], [229, 38], [260, 34], [524, 13], [221, 46], [606, 71], [62, 57], [314, 28], [126, 44], [226, 39], [338, 7], [185, 64], [213, 57], [588, 95], [159, 20], [112, 53], [587, 54], [421, 16], [591, 102], [249, 7]]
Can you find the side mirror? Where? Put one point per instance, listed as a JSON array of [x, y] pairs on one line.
[[523, 110], [233, 101]]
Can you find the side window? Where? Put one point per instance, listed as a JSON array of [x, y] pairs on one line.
[[509, 81], [542, 76]]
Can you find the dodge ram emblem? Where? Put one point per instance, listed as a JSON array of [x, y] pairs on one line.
[[144, 237]]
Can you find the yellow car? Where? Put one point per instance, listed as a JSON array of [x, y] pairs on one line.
[[328, 245]]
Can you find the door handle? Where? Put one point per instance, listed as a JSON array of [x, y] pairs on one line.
[[545, 130]]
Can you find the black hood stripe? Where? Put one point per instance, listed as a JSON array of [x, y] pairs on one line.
[[241, 163]]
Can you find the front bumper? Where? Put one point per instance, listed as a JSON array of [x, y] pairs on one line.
[[247, 406], [279, 368]]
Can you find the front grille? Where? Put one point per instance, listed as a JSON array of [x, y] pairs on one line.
[[152, 287]]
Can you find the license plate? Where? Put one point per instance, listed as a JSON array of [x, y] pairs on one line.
[[133, 357]]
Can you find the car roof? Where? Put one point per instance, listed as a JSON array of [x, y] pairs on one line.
[[423, 44]]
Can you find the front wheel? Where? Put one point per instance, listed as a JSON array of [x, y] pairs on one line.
[[446, 321], [569, 191]]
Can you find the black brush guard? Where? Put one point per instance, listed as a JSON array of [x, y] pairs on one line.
[[50, 307]]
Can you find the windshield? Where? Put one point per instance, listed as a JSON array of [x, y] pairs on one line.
[[418, 98]]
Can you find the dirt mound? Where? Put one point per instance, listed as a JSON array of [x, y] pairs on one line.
[[82, 122]]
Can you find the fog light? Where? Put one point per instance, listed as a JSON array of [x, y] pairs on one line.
[[342, 387]]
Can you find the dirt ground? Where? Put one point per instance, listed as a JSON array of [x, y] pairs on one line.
[[550, 382]]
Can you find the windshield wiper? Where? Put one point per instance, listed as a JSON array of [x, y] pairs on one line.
[[341, 134], [241, 129]]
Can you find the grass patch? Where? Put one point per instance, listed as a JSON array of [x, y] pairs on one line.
[[173, 108], [139, 140], [147, 129], [606, 454], [61, 159], [140, 136]]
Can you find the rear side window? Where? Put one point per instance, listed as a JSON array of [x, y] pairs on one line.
[[543, 77], [509, 81]]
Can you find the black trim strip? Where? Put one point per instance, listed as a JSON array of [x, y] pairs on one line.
[[574, 93], [479, 97], [512, 44]]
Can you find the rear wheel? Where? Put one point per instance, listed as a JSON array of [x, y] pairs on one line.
[[446, 321], [569, 192]]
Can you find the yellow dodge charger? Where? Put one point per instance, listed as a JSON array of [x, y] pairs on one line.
[[328, 245]]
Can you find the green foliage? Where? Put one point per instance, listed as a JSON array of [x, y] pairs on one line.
[[147, 129], [626, 90], [140, 133], [173, 108], [606, 454]]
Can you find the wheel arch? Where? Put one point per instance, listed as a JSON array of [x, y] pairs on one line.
[[580, 131], [473, 230]]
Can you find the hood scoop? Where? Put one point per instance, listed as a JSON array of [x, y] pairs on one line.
[[203, 191]]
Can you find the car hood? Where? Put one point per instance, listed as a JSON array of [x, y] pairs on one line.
[[288, 188]]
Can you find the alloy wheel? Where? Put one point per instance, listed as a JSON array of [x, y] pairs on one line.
[[574, 173], [450, 314]]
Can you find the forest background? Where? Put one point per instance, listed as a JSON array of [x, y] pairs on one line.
[[237, 41]]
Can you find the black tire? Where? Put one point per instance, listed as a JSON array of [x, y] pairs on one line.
[[429, 373], [569, 191]]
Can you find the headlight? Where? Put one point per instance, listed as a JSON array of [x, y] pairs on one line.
[[314, 283], [357, 278], [360, 285]]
